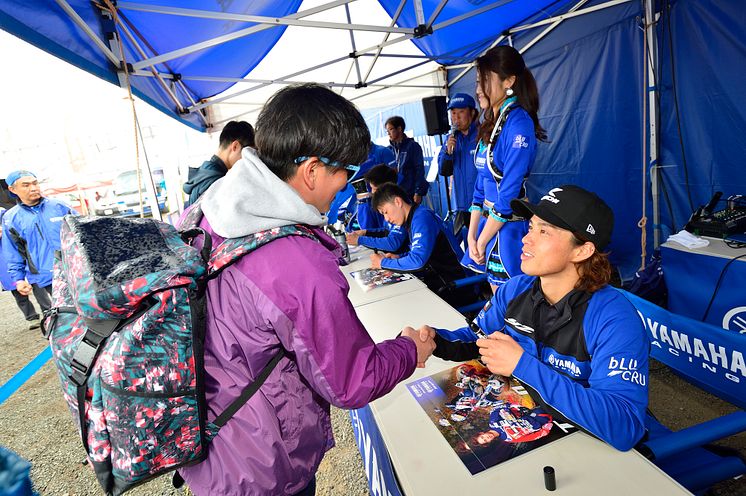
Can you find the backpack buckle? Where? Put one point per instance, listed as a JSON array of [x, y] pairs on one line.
[[82, 361]]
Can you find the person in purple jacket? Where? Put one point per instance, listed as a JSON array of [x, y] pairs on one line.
[[292, 295]]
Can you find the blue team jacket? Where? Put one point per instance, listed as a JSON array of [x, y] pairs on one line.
[[464, 172], [39, 226], [389, 237], [513, 156], [411, 166], [590, 365], [433, 251]]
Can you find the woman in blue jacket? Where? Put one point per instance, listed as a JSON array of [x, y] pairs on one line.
[[507, 93]]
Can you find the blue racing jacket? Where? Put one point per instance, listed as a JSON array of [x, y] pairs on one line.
[[464, 172], [503, 178], [432, 252], [31, 235], [585, 359], [410, 165], [389, 238]]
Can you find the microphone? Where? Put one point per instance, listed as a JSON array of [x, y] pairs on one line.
[[454, 130]]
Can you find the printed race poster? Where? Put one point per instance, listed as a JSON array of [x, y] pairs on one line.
[[369, 279], [485, 418]]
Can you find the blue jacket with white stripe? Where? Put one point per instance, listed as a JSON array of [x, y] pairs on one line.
[[585, 358]]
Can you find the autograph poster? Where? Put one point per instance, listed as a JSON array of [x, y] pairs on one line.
[[485, 418]]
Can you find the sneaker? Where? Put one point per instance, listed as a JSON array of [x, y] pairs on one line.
[[34, 324]]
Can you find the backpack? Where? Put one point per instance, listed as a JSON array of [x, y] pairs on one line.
[[127, 336]]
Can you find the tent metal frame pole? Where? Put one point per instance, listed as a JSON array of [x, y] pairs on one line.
[[261, 20], [472, 64], [551, 27], [352, 42], [436, 13], [160, 80], [567, 15], [401, 71], [653, 116], [394, 20], [274, 81], [555, 20], [87, 30], [471, 14], [400, 82], [419, 12], [267, 83], [229, 37]]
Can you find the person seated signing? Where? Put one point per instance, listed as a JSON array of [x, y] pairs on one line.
[[431, 252], [575, 343], [376, 233]]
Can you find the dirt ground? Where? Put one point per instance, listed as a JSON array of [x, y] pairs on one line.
[[36, 424]]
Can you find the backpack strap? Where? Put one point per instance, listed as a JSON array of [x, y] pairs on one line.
[[232, 249]]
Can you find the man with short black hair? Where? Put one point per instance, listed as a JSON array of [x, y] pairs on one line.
[[409, 160], [236, 136], [574, 342], [376, 233], [31, 235], [431, 253]]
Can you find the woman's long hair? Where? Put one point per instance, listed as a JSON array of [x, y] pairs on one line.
[[505, 61]]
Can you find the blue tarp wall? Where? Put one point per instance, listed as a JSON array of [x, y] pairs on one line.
[[590, 76]]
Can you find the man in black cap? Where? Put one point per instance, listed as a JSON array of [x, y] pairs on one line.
[[575, 343]]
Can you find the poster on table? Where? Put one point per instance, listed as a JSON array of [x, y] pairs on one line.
[[485, 418]]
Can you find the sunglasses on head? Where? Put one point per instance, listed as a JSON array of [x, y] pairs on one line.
[[351, 169]]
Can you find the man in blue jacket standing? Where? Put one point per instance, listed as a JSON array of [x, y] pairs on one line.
[[456, 157], [31, 235], [235, 136], [409, 160]]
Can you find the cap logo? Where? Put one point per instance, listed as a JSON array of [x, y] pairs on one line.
[[550, 196], [590, 229]]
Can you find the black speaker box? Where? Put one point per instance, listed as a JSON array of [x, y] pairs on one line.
[[436, 115]]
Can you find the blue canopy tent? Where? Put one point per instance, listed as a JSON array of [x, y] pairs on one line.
[[643, 100]]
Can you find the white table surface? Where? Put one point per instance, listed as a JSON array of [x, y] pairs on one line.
[[426, 465], [716, 248], [358, 297]]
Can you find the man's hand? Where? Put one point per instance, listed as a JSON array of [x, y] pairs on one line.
[[375, 260], [353, 237], [426, 332], [392, 256], [24, 287], [451, 144], [425, 347], [417, 198], [500, 353]]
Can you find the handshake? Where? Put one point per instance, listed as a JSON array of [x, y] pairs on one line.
[[424, 340]]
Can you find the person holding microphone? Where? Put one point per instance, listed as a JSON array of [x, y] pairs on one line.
[[456, 157], [506, 151]]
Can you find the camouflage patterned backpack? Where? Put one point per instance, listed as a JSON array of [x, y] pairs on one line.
[[127, 332]]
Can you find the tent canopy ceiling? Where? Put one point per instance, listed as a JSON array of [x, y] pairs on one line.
[[208, 61]]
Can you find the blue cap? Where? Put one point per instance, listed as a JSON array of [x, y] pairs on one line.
[[461, 100], [14, 176]]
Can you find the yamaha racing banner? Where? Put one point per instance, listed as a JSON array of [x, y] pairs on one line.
[[711, 357], [378, 469]]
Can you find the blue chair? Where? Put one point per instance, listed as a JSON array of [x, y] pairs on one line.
[[678, 342]]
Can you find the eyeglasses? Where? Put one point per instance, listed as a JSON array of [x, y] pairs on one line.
[[351, 169]]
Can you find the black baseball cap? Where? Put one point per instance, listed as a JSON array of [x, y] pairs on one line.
[[575, 209]]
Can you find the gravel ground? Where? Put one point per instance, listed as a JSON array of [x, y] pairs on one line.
[[36, 424]]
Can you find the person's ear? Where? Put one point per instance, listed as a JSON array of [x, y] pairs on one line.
[[398, 202], [509, 82], [308, 170], [583, 252]]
